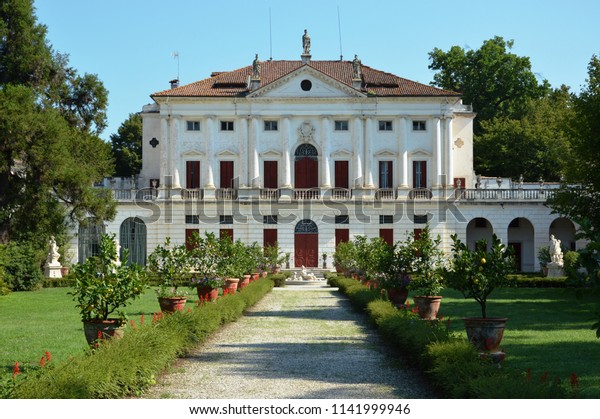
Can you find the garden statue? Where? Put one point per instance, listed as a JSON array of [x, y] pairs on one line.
[[52, 266], [555, 266]]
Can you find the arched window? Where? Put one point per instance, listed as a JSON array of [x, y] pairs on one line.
[[306, 150], [88, 238], [133, 237]]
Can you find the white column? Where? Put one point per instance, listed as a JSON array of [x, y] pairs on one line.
[[175, 160], [357, 134], [403, 150], [164, 152], [210, 139], [437, 135], [325, 161], [253, 164], [449, 155], [369, 153], [244, 147], [287, 170]]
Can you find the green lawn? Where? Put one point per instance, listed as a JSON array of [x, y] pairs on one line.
[[548, 330], [47, 320]]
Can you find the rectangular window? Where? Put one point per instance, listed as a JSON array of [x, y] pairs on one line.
[[225, 219], [271, 180], [342, 219], [342, 235], [269, 237], [193, 125], [271, 126], [341, 125], [420, 219], [192, 219], [419, 174], [386, 219], [341, 174], [226, 175], [419, 126], [192, 174], [269, 219], [387, 234], [386, 174], [226, 125], [385, 125]]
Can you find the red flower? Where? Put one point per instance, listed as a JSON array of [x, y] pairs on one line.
[[545, 377], [48, 356], [574, 381], [99, 334], [16, 369], [142, 320], [42, 362], [132, 323]]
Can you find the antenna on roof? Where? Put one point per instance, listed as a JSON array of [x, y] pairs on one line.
[[270, 38], [340, 33], [175, 55]]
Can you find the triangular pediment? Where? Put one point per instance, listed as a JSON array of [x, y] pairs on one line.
[[386, 153], [306, 82], [420, 152], [342, 153], [271, 153], [193, 153], [227, 153]]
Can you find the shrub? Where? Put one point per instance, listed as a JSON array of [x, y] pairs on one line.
[[127, 366], [278, 279], [22, 266]]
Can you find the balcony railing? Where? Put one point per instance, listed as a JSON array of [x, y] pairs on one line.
[[385, 194], [270, 194], [192, 194], [341, 194], [505, 194], [226, 194], [304, 194], [420, 193]]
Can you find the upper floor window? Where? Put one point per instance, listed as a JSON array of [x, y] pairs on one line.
[[226, 125], [269, 219], [386, 219], [271, 126], [341, 125], [342, 219], [225, 219], [192, 219], [193, 125], [419, 126], [385, 125]]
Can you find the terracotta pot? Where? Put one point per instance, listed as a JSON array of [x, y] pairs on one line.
[[398, 296], [95, 330], [231, 285], [254, 277], [264, 274], [428, 306], [485, 333], [171, 304], [244, 282], [207, 293]]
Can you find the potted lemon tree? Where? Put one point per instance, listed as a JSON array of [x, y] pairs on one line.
[[476, 273], [171, 265], [103, 286]]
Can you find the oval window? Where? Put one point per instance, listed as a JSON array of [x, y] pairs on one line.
[[306, 85]]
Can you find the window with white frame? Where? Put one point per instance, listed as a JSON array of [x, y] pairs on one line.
[[385, 126], [419, 125], [341, 125], [271, 126], [226, 125], [193, 125]]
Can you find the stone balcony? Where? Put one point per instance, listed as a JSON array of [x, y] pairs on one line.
[[337, 194]]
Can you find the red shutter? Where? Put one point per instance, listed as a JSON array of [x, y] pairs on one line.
[[387, 234], [189, 232], [226, 174], [341, 174], [342, 235], [192, 174], [270, 175], [269, 236]]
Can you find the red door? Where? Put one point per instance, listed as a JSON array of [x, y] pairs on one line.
[[270, 175], [342, 235], [226, 174], [269, 237], [306, 172], [387, 234], [306, 250], [192, 174], [341, 174]]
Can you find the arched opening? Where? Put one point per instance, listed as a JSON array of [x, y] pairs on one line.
[[88, 238], [564, 230], [479, 229], [521, 239], [306, 244], [306, 167], [133, 238]]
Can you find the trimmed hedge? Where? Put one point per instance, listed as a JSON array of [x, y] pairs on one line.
[[128, 366], [450, 361]]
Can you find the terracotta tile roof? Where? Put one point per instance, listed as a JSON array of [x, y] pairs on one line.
[[234, 83]]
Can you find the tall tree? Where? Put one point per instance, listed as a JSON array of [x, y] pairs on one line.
[[50, 153], [495, 81], [127, 146]]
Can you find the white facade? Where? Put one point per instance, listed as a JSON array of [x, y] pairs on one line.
[[406, 153]]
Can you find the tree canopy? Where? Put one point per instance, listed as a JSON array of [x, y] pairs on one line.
[[127, 146], [50, 118]]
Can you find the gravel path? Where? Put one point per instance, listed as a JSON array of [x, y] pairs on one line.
[[301, 341]]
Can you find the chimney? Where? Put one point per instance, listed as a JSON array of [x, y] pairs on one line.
[[174, 83]]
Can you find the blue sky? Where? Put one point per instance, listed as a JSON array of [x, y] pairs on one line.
[[129, 44]]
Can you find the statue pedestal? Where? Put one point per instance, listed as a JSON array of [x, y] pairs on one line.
[[555, 270], [52, 270]]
